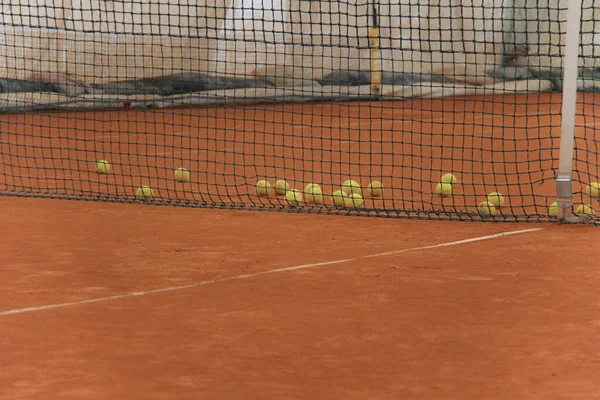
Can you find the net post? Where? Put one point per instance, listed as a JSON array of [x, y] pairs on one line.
[[564, 178]]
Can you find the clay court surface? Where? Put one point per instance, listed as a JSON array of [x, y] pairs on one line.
[[376, 309], [132, 301]]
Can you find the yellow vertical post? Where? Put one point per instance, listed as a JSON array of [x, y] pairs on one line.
[[375, 61]]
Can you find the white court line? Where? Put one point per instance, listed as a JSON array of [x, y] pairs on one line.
[[294, 268]]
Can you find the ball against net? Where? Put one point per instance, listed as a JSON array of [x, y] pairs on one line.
[[293, 198], [496, 199], [584, 210], [182, 175], [449, 178], [144, 193], [263, 188], [485, 208], [350, 186], [313, 194], [102, 167], [553, 209], [338, 198], [375, 189], [443, 189], [593, 190], [353, 201], [281, 187]]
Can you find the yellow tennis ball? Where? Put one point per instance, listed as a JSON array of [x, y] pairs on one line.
[[553, 209], [486, 208], [102, 167], [293, 198], [354, 200], [313, 194], [263, 188], [182, 175], [593, 189], [310, 186], [144, 193], [375, 189], [584, 210], [449, 178], [281, 187], [443, 189], [496, 199], [350, 186], [316, 197], [338, 198]]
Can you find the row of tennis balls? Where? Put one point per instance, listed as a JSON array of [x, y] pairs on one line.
[[144, 193], [493, 201], [341, 198], [583, 210], [350, 196]]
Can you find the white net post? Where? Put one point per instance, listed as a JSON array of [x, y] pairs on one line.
[[564, 182]]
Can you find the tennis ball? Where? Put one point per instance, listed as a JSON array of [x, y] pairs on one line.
[[353, 200], [144, 193], [593, 189], [553, 209], [293, 198], [584, 210], [496, 199], [309, 187], [338, 198], [350, 186], [102, 167], [375, 189], [486, 208], [449, 178], [182, 175], [263, 188], [443, 189], [281, 187], [313, 194]]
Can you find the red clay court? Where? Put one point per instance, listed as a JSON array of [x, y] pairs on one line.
[[127, 301], [105, 301]]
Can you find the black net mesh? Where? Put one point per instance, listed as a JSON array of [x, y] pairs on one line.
[[586, 163], [109, 100]]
